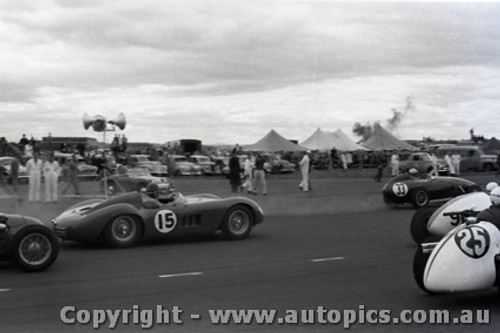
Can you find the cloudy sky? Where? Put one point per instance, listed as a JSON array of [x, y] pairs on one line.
[[230, 71]]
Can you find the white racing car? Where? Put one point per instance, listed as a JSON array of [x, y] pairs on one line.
[[438, 221], [466, 259]]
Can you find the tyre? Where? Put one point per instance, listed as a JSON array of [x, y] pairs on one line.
[[34, 249], [419, 198], [418, 226], [122, 231], [419, 262], [488, 167], [237, 223]]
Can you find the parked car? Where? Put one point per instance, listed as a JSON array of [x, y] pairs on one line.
[[422, 162], [182, 167], [84, 170], [473, 157], [276, 164], [143, 161], [205, 163], [222, 164]]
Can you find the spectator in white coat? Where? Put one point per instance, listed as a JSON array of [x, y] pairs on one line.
[[395, 164], [435, 166], [34, 169], [449, 163], [455, 160], [248, 172], [51, 171], [304, 170]]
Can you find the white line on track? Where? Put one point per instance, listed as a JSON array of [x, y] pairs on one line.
[[180, 274], [328, 259], [4, 290]]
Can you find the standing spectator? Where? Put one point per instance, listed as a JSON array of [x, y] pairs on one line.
[[395, 164], [304, 170], [28, 149], [80, 148], [260, 184], [380, 168], [455, 160], [51, 170], [123, 144], [434, 160], [248, 172], [234, 172], [343, 159], [3, 146], [50, 147], [24, 141], [447, 160], [14, 174], [73, 175], [34, 169]]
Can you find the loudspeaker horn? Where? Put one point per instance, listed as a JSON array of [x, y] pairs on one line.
[[119, 121], [87, 121], [97, 122]]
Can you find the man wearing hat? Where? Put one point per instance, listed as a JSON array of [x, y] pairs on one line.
[[304, 170]]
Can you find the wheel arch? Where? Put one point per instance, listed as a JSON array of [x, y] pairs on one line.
[[240, 204]]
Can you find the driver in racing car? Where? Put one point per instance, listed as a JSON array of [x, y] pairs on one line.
[[492, 214], [415, 174], [158, 194]]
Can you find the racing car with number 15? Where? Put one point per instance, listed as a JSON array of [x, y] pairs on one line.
[[158, 212]]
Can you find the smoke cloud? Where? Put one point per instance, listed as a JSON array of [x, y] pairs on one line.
[[397, 116], [363, 131]]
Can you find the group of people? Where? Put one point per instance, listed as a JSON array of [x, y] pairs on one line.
[[452, 162], [50, 169], [252, 177]]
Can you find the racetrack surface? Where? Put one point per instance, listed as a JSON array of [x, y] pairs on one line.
[[337, 247]]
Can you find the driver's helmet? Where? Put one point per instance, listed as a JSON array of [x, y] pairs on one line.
[[413, 172], [490, 186], [495, 196], [152, 190], [163, 192]]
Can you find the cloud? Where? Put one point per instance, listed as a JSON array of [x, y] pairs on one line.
[[232, 70]]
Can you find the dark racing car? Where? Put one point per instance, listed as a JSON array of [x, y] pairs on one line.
[[28, 242], [419, 191], [160, 212]]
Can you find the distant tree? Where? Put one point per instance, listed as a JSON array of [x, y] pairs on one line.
[[427, 139]]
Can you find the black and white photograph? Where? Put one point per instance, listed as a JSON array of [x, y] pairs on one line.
[[249, 166]]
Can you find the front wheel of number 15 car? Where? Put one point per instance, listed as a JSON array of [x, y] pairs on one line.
[[122, 231], [237, 222]]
